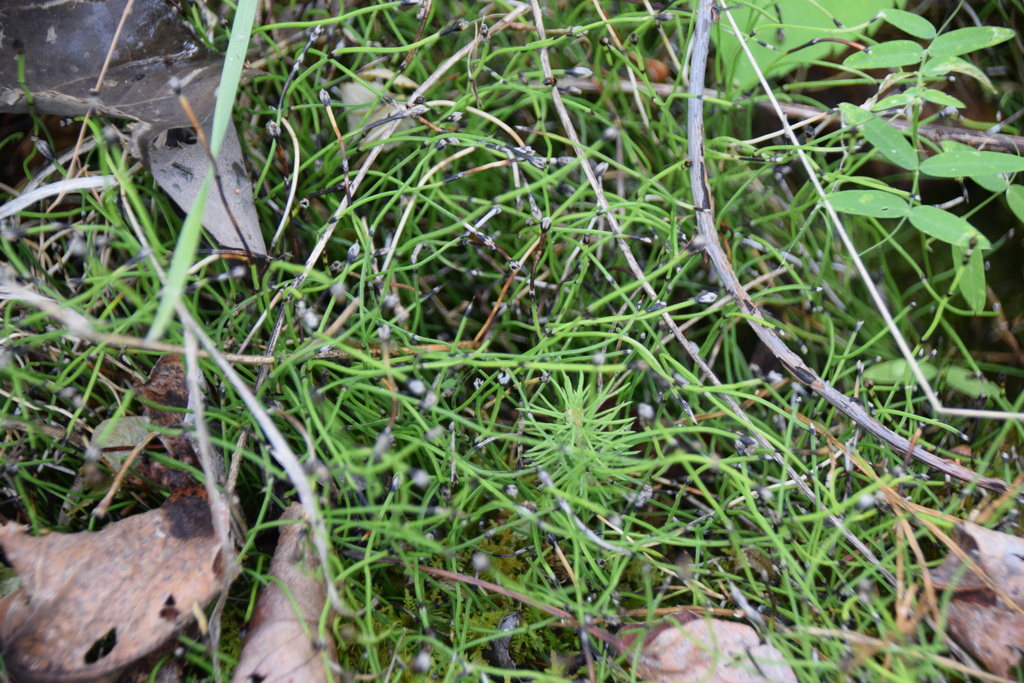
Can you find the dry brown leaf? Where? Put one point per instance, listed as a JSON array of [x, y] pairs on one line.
[[166, 387], [92, 603], [61, 47], [497, 653], [980, 620], [282, 645], [180, 169], [687, 647]]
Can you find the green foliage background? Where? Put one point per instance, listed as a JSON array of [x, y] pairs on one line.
[[435, 451]]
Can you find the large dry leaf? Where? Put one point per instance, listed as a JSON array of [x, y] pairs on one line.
[[979, 619], [231, 219], [92, 603], [282, 645], [690, 648], [62, 46]]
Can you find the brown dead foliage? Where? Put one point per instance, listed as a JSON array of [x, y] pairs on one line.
[[687, 647], [92, 603], [980, 618], [282, 645]]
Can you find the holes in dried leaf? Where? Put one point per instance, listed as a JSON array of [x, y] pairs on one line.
[[169, 611], [102, 647]]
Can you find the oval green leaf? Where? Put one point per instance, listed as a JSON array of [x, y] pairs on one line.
[[897, 101], [869, 203], [887, 55], [942, 99], [964, 40], [910, 23], [897, 372], [937, 68], [946, 227], [892, 143], [960, 162], [854, 115], [972, 280], [993, 183], [1015, 198], [966, 382]]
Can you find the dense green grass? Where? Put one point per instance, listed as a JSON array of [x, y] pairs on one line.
[[428, 427]]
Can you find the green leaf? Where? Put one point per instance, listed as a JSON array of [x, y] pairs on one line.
[[1015, 198], [972, 280], [887, 55], [897, 101], [993, 183], [966, 382], [964, 161], [944, 226], [869, 203], [897, 372], [800, 22], [888, 140], [939, 68], [854, 115], [942, 99], [964, 40], [910, 23], [893, 144]]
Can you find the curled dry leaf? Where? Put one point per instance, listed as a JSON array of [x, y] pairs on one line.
[[92, 603], [498, 652], [61, 47], [282, 645], [166, 387], [979, 619], [687, 647]]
